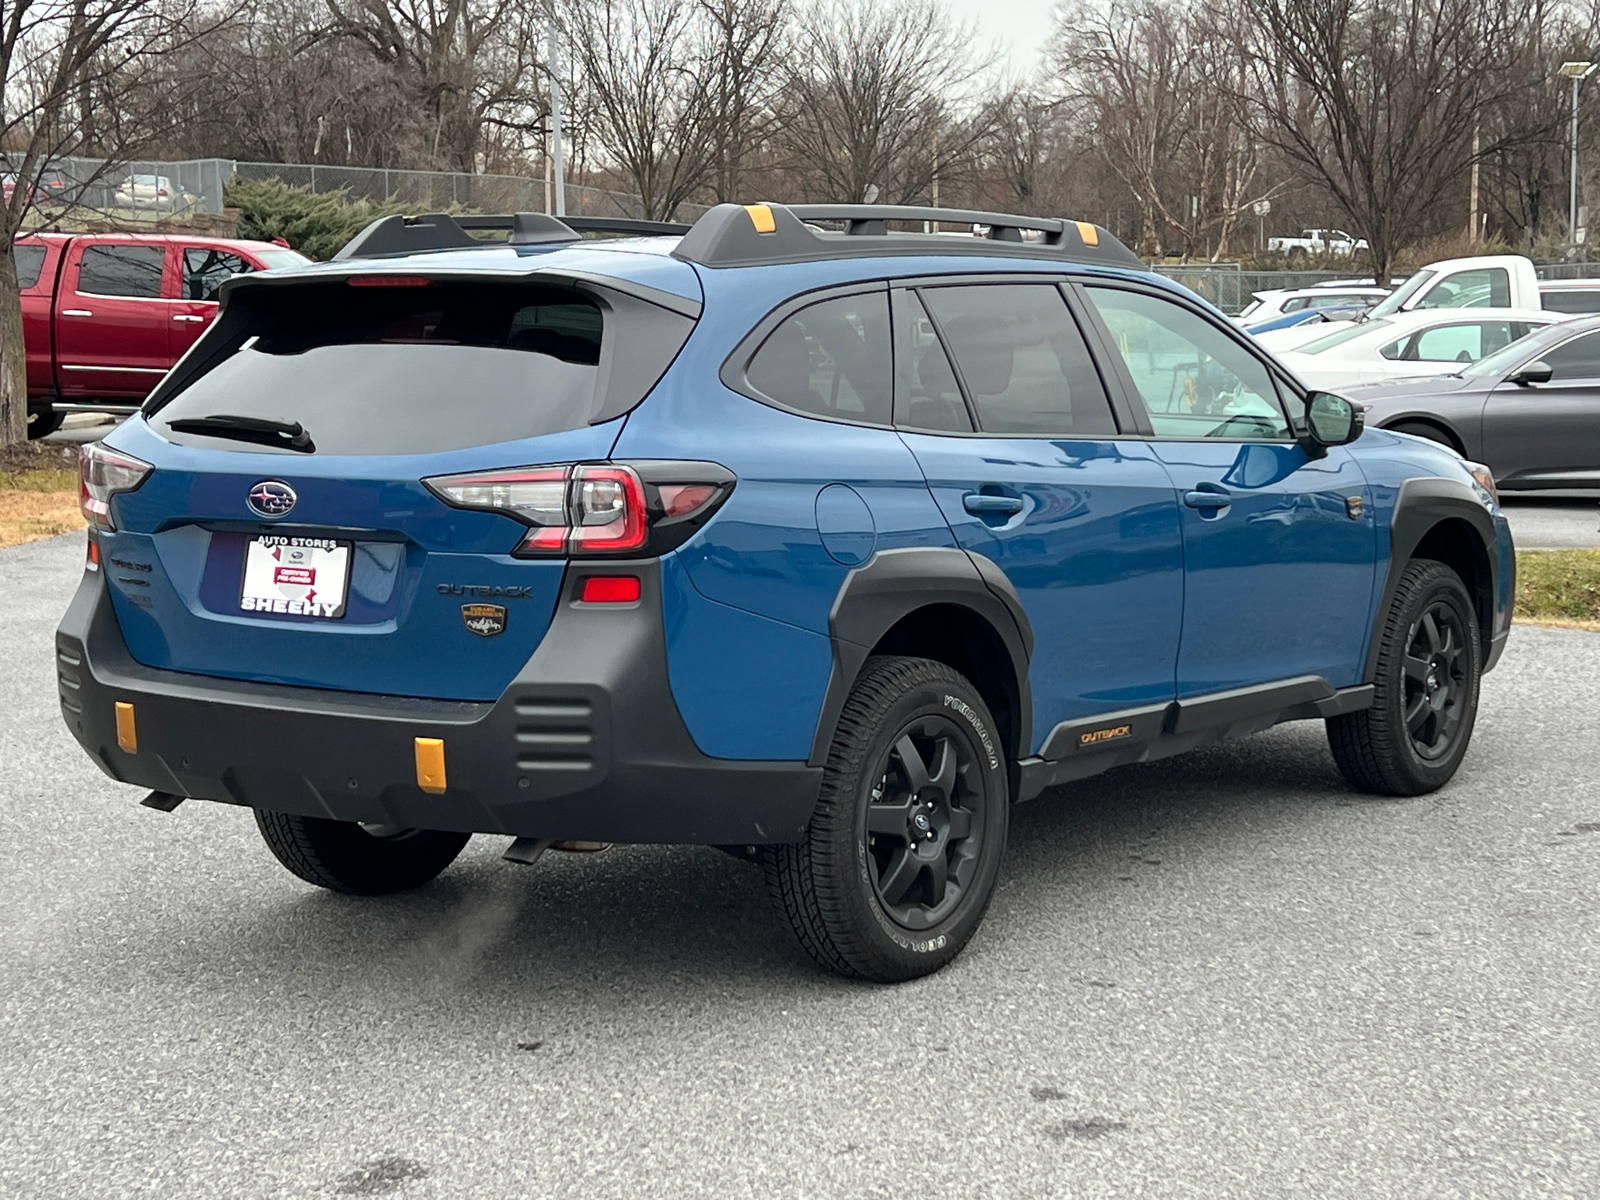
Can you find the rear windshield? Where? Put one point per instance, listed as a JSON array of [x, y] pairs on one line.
[[410, 369]]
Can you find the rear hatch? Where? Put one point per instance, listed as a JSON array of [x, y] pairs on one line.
[[286, 534]]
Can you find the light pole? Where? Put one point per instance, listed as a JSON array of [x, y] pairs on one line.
[[1577, 72], [559, 171]]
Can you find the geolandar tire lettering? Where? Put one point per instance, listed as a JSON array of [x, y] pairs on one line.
[[909, 830]]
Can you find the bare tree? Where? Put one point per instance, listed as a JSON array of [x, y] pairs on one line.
[[1378, 100], [747, 42], [648, 69], [466, 63], [876, 99], [70, 70]]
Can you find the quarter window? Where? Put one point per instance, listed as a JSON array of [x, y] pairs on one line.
[[1022, 360], [122, 271], [1196, 381], [830, 359], [205, 270]]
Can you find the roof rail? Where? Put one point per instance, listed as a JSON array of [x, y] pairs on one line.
[[736, 235], [444, 231]]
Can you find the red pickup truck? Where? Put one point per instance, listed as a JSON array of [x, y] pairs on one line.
[[104, 315]]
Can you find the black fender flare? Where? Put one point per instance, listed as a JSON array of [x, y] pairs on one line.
[[1421, 505], [891, 585]]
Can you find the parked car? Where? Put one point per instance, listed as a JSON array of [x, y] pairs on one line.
[[1334, 242], [153, 192], [104, 315], [1430, 342], [1300, 303], [1570, 295], [697, 543], [1530, 411], [1485, 281]]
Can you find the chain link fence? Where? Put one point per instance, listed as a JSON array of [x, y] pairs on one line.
[[431, 191], [140, 192]]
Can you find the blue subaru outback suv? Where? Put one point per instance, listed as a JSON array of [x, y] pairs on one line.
[[795, 533]]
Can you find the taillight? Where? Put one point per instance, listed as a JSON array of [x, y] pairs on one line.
[[594, 508], [102, 473]]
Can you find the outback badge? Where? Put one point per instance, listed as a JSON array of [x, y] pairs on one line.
[[485, 620]]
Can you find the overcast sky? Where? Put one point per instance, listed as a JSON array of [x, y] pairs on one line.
[[1020, 26]]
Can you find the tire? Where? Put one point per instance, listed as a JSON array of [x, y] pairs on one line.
[[343, 856], [1423, 430], [899, 902], [1430, 661], [43, 422]]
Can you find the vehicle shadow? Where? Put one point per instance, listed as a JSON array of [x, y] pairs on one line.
[[638, 925]]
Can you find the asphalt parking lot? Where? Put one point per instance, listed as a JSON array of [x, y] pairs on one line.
[[1222, 975]]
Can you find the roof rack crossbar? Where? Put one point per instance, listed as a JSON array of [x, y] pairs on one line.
[[447, 231], [735, 235], [872, 219]]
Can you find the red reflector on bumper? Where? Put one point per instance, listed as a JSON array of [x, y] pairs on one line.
[[610, 589]]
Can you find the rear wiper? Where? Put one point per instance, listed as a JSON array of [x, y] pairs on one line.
[[289, 435]]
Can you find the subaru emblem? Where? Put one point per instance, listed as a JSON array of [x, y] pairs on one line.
[[271, 498]]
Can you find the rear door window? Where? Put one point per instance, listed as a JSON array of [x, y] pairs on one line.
[[1463, 343], [831, 359], [1022, 360], [414, 369], [133, 271], [928, 398], [30, 264]]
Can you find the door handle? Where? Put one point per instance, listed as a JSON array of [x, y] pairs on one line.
[[1207, 499], [979, 504], [76, 312], [188, 317]]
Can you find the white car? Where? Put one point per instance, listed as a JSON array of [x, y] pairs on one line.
[[1280, 302], [1429, 342], [152, 191]]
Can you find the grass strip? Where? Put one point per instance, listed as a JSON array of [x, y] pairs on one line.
[[1559, 587]]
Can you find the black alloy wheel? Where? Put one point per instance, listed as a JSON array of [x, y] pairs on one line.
[[924, 824], [905, 843], [1437, 676]]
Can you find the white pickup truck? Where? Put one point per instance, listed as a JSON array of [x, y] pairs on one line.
[[1485, 281], [1313, 242]]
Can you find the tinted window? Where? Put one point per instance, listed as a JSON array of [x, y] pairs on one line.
[[1195, 380], [1577, 359], [398, 370], [122, 271], [929, 398], [30, 262], [1022, 359], [1295, 305], [1573, 300], [206, 270], [830, 359], [1488, 288]]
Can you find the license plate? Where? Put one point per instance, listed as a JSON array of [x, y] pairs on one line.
[[295, 576]]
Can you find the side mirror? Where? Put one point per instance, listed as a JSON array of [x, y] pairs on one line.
[[1537, 371], [1330, 421]]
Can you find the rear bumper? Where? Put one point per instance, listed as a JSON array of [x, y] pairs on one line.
[[586, 742]]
